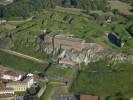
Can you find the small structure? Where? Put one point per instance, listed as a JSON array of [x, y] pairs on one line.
[[3, 21], [66, 97], [115, 39], [88, 97]]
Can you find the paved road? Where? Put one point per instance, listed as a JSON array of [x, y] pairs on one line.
[[41, 92], [23, 55]]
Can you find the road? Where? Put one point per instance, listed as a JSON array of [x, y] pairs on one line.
[[23, 55], [26, 20]]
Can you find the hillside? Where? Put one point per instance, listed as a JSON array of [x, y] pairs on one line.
[[25, 8], [103, 67]]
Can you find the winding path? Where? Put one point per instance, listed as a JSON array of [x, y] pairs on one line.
[[23, 55]]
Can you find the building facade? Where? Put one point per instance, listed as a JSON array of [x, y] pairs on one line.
[[7, 97], [21, 85], [65, 41], [6, 91]]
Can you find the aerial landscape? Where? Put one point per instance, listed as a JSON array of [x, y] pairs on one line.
[[66, 49]]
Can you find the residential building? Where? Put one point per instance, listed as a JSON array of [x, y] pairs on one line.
[[10, 75], [7, 97], [17, 86], [21, 85], [6, 91]]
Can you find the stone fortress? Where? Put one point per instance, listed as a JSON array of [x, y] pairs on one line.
[[73, 50]]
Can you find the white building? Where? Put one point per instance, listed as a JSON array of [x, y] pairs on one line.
[[21, 85]]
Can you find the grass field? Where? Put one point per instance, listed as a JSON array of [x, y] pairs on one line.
[[105, 81], [66, 73], [4, 27], [20, 64]]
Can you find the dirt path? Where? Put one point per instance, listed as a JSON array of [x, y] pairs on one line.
[[23, 55]]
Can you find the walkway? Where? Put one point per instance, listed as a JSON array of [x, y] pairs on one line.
[[22, 55]]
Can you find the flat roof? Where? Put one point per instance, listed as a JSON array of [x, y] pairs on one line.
[[68, 37], [88, 97]]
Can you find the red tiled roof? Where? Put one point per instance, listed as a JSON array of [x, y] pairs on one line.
[[6, 96], [11, 73], [88, 97], [2, 85]]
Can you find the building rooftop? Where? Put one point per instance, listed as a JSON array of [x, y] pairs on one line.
[[7, 95], [11, 73], [64, 97], [2, 85], [88, 97], [16, 83], [69, 37], [6, 89]]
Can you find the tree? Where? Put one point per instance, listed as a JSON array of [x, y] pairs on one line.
[[24, 8], [32, 91], [1, 11]]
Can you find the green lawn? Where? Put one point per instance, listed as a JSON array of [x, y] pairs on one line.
[[48, 92], [6, 27], [20, 64], [106, 81], [61, 72]]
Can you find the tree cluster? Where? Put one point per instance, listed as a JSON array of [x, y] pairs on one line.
[[23, 8]]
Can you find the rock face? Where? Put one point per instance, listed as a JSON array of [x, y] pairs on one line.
[[90, 52], [121, 58]]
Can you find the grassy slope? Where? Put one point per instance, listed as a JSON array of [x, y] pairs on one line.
[[19, 63], [83, 26], [66, 73], [104, 83]]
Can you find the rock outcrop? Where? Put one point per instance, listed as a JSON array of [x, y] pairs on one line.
[[91, 52]]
